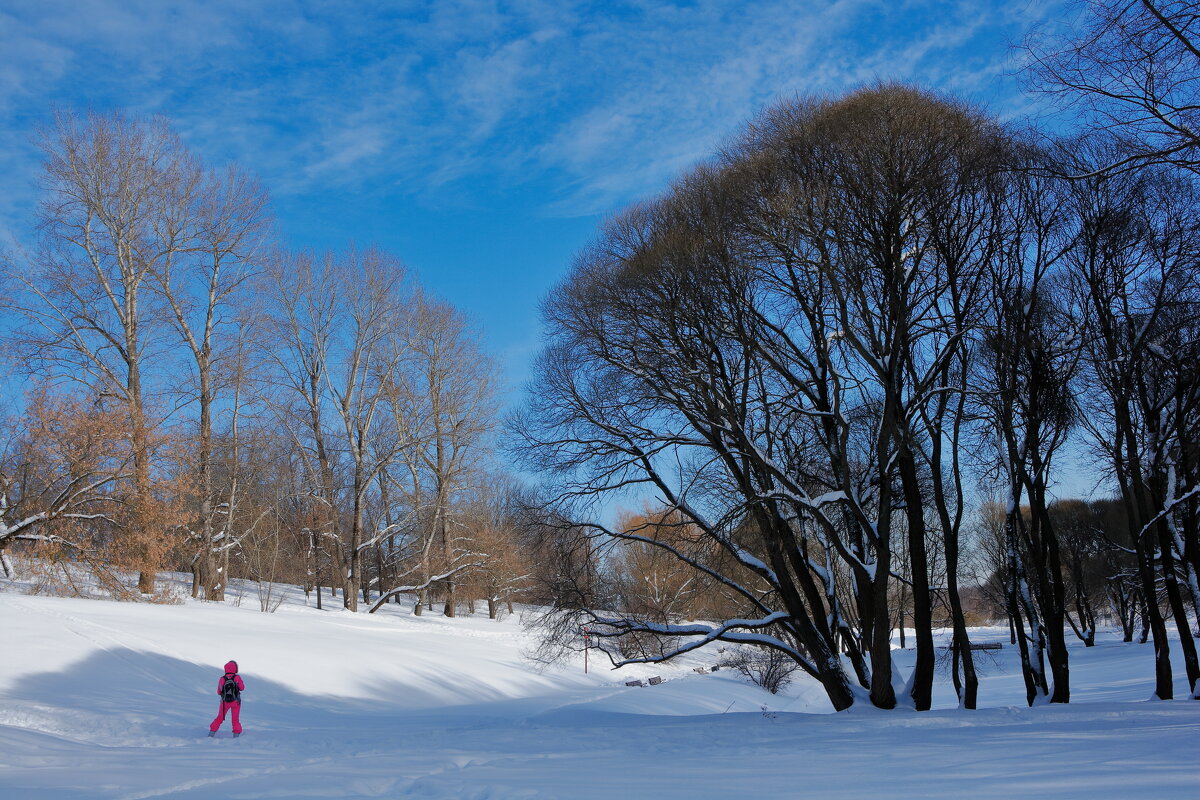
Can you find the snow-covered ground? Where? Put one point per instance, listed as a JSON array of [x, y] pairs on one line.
[[112, 700]]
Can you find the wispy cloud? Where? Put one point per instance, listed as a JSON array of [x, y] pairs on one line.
[[476, 137], [598, 102]]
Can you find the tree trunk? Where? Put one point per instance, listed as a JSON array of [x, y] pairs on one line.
[[969, 693], [316, 556], [923, 670], [1020, 604], [1187, 642], [140, 442], [1018, 622], [1145, 634], [1153, 622], [353, 572], [883, 694], [1126, 604], [1053, 596]]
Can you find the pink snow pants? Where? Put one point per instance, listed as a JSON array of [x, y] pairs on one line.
[[236, 708]]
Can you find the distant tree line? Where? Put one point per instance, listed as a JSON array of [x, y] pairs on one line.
[[810, 352]]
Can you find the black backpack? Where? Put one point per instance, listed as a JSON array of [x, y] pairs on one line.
[[229, 689]]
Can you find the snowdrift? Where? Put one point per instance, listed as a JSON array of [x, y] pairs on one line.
[[112, 700]]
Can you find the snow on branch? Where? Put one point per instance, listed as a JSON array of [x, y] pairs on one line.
[[741, 631], [390, 593]]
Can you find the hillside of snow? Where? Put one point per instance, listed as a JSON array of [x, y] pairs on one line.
[[102, 699]]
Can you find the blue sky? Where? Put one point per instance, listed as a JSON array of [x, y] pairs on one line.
[[482, 142]]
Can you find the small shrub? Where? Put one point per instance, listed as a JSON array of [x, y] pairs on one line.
[[763, 666], [50, 573], [166, 596]]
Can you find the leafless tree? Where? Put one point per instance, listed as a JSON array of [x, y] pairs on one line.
[[226, 216], [1030, 349], [357, 361], [344, 325], [301, 317], [1137, 300], [112, 214], [1133, 68], [763, 349], [1080, 530], [443, 409]]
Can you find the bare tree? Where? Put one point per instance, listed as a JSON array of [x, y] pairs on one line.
[[1133, 68], [1025, 392], [762, 349], [1135, 281], [227, 455], [1081, 537], [356, 362], [346, 326], [302, 313], [443, 411], [226, 214], [111, 216]]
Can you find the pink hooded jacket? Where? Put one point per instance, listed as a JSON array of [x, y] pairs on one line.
[[231, 668]]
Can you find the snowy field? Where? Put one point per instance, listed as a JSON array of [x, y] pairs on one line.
[[112, 700]]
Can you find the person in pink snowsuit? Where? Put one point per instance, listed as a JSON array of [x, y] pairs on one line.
[[234, 705]]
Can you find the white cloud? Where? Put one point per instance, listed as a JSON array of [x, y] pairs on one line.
[[603, 104]]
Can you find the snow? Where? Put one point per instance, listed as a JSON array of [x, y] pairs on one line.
[[101, 699]]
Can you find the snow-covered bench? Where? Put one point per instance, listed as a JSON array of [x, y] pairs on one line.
[[979, 646]]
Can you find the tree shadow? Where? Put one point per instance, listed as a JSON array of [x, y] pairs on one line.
[[128, 697]]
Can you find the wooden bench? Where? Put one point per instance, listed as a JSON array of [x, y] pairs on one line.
[[655, 681], [979, 646]]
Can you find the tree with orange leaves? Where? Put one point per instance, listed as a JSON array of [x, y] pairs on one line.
[[61, 473]]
